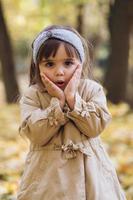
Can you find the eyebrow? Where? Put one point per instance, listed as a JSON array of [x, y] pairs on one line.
[[47, 60], [52, 60]]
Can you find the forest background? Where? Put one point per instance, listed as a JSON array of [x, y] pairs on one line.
[[108, 25]]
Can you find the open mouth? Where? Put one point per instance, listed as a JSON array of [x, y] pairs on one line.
[[60, 84]]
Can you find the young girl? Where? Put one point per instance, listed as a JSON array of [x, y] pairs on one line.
[[62, 116]]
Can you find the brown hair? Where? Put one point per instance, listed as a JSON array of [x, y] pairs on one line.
[[51, 46]]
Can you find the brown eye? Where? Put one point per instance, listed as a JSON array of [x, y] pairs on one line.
[[69, 63], [49, 64]]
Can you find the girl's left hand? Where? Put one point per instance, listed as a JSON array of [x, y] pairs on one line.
[[72, 86]]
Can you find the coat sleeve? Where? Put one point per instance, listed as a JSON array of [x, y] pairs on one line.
[[92, 116], [40, 125]]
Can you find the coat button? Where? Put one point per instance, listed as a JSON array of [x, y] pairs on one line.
[[49, 34]]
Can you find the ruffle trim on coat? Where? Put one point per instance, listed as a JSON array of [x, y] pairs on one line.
[[53, 113], [71, 149], [82, 108]]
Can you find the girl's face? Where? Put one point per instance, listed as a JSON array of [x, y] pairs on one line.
[[60, 68]]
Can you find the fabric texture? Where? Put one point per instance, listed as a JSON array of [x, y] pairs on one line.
[[66, 158]]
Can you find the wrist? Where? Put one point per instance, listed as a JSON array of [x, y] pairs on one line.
[[62, 102], [71, 101]]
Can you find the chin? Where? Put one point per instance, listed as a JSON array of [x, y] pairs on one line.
[[62, 88]]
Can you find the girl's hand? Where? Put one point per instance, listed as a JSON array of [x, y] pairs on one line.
[[53, 90], [72, 87]]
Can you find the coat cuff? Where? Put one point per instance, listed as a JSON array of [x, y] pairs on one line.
[[82, 108], [53, 113]]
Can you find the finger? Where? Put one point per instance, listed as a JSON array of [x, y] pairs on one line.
[[44, 76], [77, 63], [79, 67], [49, 84], [46, 79], [77, 73]]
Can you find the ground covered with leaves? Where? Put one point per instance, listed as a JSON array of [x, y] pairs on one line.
[[118, 140]]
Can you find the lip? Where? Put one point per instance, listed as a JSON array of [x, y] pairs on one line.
[[60, 84]]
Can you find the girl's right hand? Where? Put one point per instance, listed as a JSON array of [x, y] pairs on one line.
[[53, 90]]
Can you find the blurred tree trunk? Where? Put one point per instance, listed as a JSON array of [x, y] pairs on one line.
[[80, 18], [7, 62], [119, 26]]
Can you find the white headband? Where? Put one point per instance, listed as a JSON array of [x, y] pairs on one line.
[[62, 34]]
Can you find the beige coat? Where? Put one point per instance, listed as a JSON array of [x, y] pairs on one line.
[[66, 160]]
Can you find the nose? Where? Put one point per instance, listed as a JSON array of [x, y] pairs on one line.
[[59, 71]]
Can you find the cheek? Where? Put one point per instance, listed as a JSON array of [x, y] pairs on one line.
[[71, 72], [48, 73], [44, 70]]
